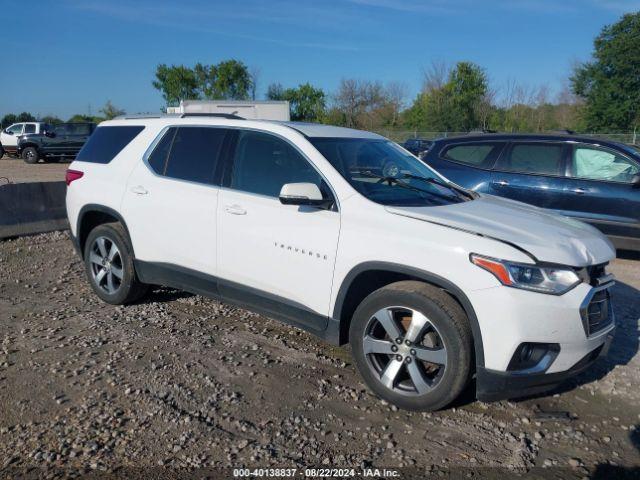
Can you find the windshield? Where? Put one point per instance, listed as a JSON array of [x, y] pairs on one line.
[[386, 174]]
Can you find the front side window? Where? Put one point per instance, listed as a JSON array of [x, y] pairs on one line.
[[263, 163], [189, 153], [384, 173], [16, 129], [534, 158], [593, 163], [480, 154], [30, 128]]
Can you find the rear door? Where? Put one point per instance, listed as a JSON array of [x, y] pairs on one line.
[[171, 199], [532, 172], [599, 189]]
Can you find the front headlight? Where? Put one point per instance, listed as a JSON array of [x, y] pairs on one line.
[[552, 280]]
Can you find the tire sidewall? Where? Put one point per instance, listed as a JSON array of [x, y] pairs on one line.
[[458, 351], [128, 279], [35, 157]]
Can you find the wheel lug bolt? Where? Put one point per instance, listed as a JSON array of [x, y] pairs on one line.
[[407, 343], [394, 348], [407, 360], [398, 341], [413, 352], [399, 358]]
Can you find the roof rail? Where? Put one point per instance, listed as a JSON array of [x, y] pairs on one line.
[[230, 116], [138, 115]]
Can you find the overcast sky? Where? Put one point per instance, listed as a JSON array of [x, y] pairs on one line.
[[70, 56]]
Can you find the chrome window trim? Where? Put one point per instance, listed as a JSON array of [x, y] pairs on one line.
[[149, 151]]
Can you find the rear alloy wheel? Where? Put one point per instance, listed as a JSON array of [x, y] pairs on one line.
[[106, 265], [30, 155], [109, 265], [412, 345]]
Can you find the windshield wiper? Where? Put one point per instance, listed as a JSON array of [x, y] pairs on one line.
[[437, 181], [400, 183]]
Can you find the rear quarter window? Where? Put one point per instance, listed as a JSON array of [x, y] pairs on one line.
[[481, 154], [106, 142]]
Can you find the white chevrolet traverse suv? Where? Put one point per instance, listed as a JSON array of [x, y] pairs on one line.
[[345, 234]]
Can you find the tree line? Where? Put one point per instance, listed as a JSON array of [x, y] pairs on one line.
[[108, 112], [601, 95]]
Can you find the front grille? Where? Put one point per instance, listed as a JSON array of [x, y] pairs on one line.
[[597, 314], [593, 274]]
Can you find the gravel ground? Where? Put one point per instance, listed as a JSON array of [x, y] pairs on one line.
[[182, 382], [15, 170]]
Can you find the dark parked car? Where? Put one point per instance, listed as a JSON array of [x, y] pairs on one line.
[[593, 180], [56, 141], [417, 146]]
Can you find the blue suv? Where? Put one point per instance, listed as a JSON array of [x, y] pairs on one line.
[[593, 180]]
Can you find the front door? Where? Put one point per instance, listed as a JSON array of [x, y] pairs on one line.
[[600, 192], [277, 257], [171, 201], [531, 172], [9, 137]]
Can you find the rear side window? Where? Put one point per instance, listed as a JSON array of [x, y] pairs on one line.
[[536, 158], [106, 142], [158, 158], [30, 128], [481, 154], [189, 153]]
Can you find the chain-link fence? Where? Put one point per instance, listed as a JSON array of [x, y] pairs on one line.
[[402, 135]]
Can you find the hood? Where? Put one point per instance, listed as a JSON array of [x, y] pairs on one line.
[[547, 236]]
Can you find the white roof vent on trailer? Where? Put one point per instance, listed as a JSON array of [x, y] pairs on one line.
[[268, 110]]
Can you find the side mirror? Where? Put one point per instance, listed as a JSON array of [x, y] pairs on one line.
[[49, 134], [635, 181], [8, 132], [303, 194]]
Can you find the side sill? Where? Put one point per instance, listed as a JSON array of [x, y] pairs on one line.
[[242, 296]]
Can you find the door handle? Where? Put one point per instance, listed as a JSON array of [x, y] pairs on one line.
[[235, 210], [502, 183], [139, 190], [580, 191]]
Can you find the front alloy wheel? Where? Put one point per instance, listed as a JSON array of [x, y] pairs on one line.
[[412, 344], [404, 350]]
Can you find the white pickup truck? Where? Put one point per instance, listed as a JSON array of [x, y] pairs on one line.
[[9, 136]]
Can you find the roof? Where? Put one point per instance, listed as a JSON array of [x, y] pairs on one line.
[[484, 137], [328, 131], [305, 128]]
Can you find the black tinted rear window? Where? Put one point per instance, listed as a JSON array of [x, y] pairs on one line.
[[106, 142], [479, 154]]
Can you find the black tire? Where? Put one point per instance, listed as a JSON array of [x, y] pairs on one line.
[[128, 287], [1, 151], [447, 328], [30, 155]]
